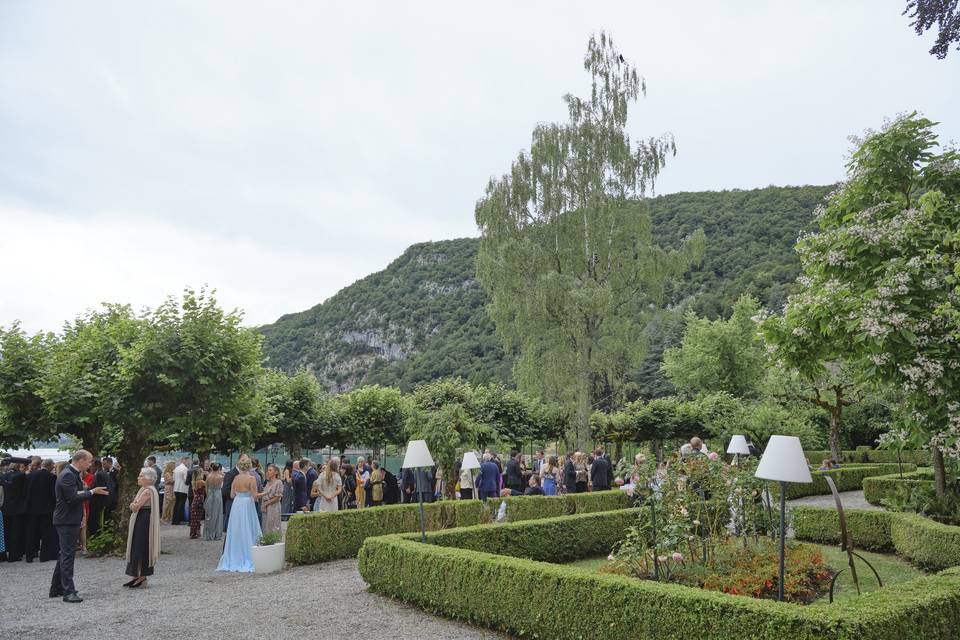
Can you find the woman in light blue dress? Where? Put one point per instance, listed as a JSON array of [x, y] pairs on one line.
[[243, 527]]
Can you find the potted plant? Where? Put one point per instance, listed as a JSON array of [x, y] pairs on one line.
[[268, 553]]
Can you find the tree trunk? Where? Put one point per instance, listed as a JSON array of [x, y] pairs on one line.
[[939, 472], [835, 430], [294, 448], [581, 435], [617, 450], [133, 451]]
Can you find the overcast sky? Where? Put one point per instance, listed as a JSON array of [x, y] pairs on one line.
[[279, 151]]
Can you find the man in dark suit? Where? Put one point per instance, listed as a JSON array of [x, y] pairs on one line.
[[14, 483], [489, 484], [301, 496], [601, 472], [310, 472], [41, 501], [570, 474], [99, 504], [228, 478], [67, 516], [513, 475]]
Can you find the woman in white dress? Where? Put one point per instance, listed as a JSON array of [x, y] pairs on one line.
[[327, 488]]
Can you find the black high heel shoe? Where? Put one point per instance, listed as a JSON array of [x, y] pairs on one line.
[[129, 584], [139, 582]]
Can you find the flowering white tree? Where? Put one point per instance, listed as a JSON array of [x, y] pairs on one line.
[[880, 280]]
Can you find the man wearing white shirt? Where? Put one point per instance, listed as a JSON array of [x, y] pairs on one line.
[[180, 489]]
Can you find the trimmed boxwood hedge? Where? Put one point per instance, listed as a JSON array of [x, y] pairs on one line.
[[847, 478], [465, 579], [924, 542], [893, 487], [921, 458], [318, 537], [536, 507]]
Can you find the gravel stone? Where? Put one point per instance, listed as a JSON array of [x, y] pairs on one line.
[[849, 499], [187, 596]]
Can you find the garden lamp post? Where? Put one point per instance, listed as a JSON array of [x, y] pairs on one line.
[[417, 458], [783, 461], [470, 462], [738, 446]]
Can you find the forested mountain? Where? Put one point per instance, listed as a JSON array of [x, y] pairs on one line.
[[423, 316]]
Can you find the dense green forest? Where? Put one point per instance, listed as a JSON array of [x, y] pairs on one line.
[[424, 317]]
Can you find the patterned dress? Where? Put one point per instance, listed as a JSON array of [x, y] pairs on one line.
[[271, 513], [196, 511]]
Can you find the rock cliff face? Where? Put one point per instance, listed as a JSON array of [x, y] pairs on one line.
[[424, 316], [427, 294]]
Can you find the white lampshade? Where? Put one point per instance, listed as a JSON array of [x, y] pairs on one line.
[[417, 455], [470, 461], [738, 444], [783, 460]]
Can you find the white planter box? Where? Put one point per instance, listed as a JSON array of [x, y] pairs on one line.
[[267, 559]]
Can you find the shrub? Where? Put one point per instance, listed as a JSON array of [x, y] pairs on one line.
[[536, 599], [268, 539], [535, 507], [318, 537], [107, 542], [870, 529], [893, 488], [846, 478], [928, 544], [921, 458]]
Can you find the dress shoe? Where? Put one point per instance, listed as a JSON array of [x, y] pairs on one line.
[[72, 597], [56, 593], [129, 584]]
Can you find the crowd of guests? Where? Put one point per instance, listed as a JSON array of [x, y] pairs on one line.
[[28, 502]]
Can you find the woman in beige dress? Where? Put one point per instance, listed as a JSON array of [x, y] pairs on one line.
[[168, 498], [270, 502]]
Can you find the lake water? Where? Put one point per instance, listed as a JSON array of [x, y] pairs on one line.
[[54, 454]]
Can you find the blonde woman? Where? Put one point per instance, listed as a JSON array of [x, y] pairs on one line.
[[143, 537], [327, 488], [168, 498], [243, 527], [583, 473]]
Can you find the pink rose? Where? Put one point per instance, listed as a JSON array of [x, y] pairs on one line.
[[677, 556], [713, 456]]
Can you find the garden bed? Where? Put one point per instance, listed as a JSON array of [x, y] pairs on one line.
[[505, 577]]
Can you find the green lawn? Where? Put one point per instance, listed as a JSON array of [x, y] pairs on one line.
[[892, 570]]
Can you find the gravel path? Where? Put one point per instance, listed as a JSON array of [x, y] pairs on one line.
[[318, 601], [849, 499]]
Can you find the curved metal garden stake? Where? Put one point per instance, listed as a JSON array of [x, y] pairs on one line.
[[846, 544]]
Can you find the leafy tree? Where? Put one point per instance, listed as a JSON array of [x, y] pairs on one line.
[[440, 412], [82, 364], [23, 414], [374, 415], [722, 356], [513, 417], [296, 412], [945, 14], [188, 377], [565, 254], [833, 387], [880, 280], [207, 366]]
